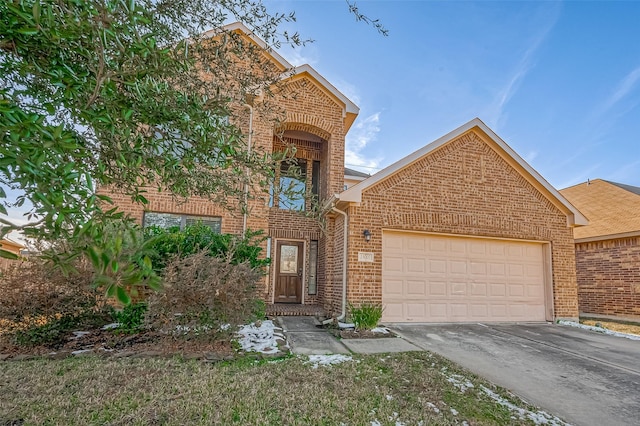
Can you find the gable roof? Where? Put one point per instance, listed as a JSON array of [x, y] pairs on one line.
[[613, 209], [354, 173], [574, 217], [349, 109]]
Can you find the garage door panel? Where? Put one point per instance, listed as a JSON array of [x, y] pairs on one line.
[[393, 288], [497, 290], [416, 310], [457, 267], [479, 311], [438, 266], [416, 288], [437, 288], [434, 278], [458, 310], [393, 264], [438, 311], [458, 289], [478, 289], [516, 290], [417, 266]]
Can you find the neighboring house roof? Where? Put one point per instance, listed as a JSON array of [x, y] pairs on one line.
[[574, 217], [11, 246], [350, 110], [613, 209], [354, 173]]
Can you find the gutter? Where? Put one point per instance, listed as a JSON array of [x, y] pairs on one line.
[[344, 262], [246, 184]]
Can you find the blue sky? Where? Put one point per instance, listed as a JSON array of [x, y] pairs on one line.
[[558, 81]]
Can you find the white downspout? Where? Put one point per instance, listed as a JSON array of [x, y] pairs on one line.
[[246, 184], [344, 263]]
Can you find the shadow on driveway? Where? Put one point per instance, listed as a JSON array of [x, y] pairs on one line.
[[582, 376]]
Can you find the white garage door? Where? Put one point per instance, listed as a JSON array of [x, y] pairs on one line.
[[435, 278]]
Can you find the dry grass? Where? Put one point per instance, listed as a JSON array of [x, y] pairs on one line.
[[386, 388], [621, 327]]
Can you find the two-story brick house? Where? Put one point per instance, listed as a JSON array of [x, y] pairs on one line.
[[461, 230]]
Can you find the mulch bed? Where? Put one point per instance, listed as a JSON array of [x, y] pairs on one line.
[[112, 344]]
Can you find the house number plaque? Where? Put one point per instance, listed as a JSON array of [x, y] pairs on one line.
[[365, 256]]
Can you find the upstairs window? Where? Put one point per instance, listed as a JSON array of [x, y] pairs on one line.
[[293, 184], [181, 221]]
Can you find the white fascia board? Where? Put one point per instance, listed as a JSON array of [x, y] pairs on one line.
[[350, 107], [354, 194]]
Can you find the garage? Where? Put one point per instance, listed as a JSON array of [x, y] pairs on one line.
[[447, 278]]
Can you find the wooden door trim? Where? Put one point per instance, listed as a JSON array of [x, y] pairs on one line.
[[301, 262]]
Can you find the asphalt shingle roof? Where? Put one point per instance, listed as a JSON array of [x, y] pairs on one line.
[[611, 208]]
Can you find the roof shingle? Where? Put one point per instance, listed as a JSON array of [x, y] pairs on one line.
[[612, 208]]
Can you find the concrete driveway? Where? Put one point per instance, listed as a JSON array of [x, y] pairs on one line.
[[581, 376]]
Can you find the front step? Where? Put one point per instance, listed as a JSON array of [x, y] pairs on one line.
[[288, 310]]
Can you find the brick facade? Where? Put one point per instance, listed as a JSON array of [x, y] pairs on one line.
[[316, 120], [608, 276], [466, 188]]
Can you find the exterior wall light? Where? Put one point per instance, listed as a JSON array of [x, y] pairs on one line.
[[367, 235]]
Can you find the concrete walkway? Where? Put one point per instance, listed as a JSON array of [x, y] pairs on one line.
[[306, 337]]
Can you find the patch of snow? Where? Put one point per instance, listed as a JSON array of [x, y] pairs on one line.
[[433, 407], [375, 423], [465, 423], [79, 334], [111, 326], [537, 417], [81, 351], [186, 329], [389, 397], [460, 382], [225, 327], [262, 338], [599, 329], [326, 360], [381, 330], [454, 411], [346, 325]]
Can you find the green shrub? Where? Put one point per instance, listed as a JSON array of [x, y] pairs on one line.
[[130, 318], [168, 243], [366, 316]]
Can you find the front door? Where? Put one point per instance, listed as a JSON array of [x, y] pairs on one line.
[[289, 272]]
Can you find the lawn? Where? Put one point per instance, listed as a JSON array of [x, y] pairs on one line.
[[416, 388]]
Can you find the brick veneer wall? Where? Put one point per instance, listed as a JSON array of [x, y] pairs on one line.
[[608, 275], [308, 109], [462, 188]]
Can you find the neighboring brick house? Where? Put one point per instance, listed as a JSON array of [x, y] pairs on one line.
[[461, 230], [608, 249]]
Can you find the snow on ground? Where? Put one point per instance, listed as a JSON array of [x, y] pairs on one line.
[[599, 329], [538, 417], [326, 360], [433, 407], [260, 337], [382, 330], [459, 381], [111, 326]]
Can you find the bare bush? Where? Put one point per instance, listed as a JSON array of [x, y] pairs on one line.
[[202, 296], [38, 293]]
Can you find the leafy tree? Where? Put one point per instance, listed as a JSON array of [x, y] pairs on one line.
[[131, 94]]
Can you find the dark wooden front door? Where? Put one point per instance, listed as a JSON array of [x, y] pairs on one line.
[[289, 272]]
